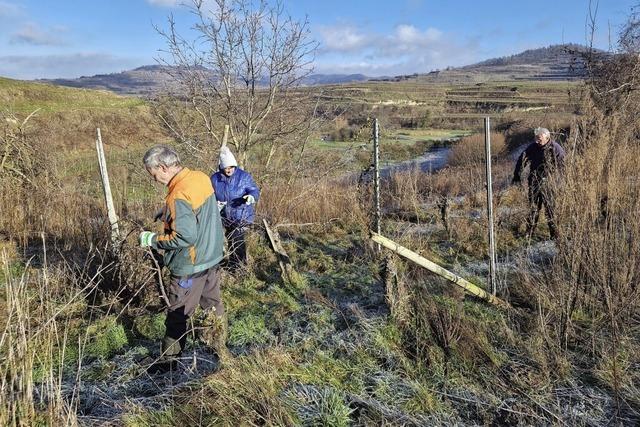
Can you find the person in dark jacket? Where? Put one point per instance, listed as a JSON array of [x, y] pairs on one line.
[[237, 194], [543, 156]]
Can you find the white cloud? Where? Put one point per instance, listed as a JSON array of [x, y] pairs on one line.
[[33, 34], [342, 38], [9, 9], [404, 50], [164, 3], [64, 66], [411, 34]]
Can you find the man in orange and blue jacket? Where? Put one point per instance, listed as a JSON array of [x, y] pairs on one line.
[[192, 244]]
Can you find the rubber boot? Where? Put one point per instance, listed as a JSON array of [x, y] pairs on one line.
[[168, 360]]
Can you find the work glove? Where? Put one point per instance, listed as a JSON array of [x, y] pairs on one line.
[[249, 199], [146, 239], [221, 206]]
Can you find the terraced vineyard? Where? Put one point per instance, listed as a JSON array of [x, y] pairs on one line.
[[452, 105]]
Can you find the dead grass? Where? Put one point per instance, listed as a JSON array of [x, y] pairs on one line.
[[471, 150]]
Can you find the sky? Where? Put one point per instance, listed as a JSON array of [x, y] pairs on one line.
[[69, 39]]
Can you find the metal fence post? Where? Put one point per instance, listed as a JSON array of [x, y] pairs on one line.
[[492, 243], [376, 168]]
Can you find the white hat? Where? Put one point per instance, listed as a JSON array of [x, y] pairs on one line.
[[226, 158]]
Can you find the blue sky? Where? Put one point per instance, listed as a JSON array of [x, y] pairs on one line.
[[65, 38]]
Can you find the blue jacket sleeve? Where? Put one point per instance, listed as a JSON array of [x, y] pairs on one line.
[[558, 154], [250, 186], [522, 160]]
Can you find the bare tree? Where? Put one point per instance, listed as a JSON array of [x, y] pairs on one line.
[[19, 159], [242, 70]]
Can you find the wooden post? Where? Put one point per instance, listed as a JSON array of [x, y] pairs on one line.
[[376, 179], [225, 136], [288, 273], [492, 242], [111, 211], [440, 271]]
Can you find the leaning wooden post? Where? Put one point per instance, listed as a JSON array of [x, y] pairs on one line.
[[288, 273], [111, 211], [492, 242], [440, 271], [376, 180]]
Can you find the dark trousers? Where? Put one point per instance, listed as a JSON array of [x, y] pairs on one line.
[[237, 246], [539, 197], [185, 294]]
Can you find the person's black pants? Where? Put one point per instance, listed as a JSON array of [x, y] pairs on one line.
[[539, 197], [237, 247], [185, 294]]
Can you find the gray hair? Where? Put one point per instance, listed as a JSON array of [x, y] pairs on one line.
[[160, 155], [541, 131]]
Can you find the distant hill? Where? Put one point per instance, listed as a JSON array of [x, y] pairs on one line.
[[567, 54], [556, 62], [144, 80], [149, 79]]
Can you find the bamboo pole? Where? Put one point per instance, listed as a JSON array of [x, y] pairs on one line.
[[111, 211], [440, 271]]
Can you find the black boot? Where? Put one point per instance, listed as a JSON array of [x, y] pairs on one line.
[[168, 360]]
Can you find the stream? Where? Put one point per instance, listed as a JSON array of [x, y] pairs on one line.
[[434, 159]]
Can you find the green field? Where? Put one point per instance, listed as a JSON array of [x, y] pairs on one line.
[[25, 97]]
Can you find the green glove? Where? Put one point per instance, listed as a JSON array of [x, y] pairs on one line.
[[146, 238]]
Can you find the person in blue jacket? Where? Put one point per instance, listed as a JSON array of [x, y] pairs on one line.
[[237, 194]]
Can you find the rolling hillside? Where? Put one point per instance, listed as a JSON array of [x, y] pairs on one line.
[[150, 79], [556, 63], [68, 117]]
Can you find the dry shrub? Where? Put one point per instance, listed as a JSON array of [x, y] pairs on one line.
[[591, 291], [597, 208], [403, 192], [312, 201], [471, 149], [444, 319], [36, 309]]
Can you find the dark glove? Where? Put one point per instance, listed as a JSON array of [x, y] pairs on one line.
[[159, 214]]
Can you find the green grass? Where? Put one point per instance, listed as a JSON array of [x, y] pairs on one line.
[[25, 97]]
